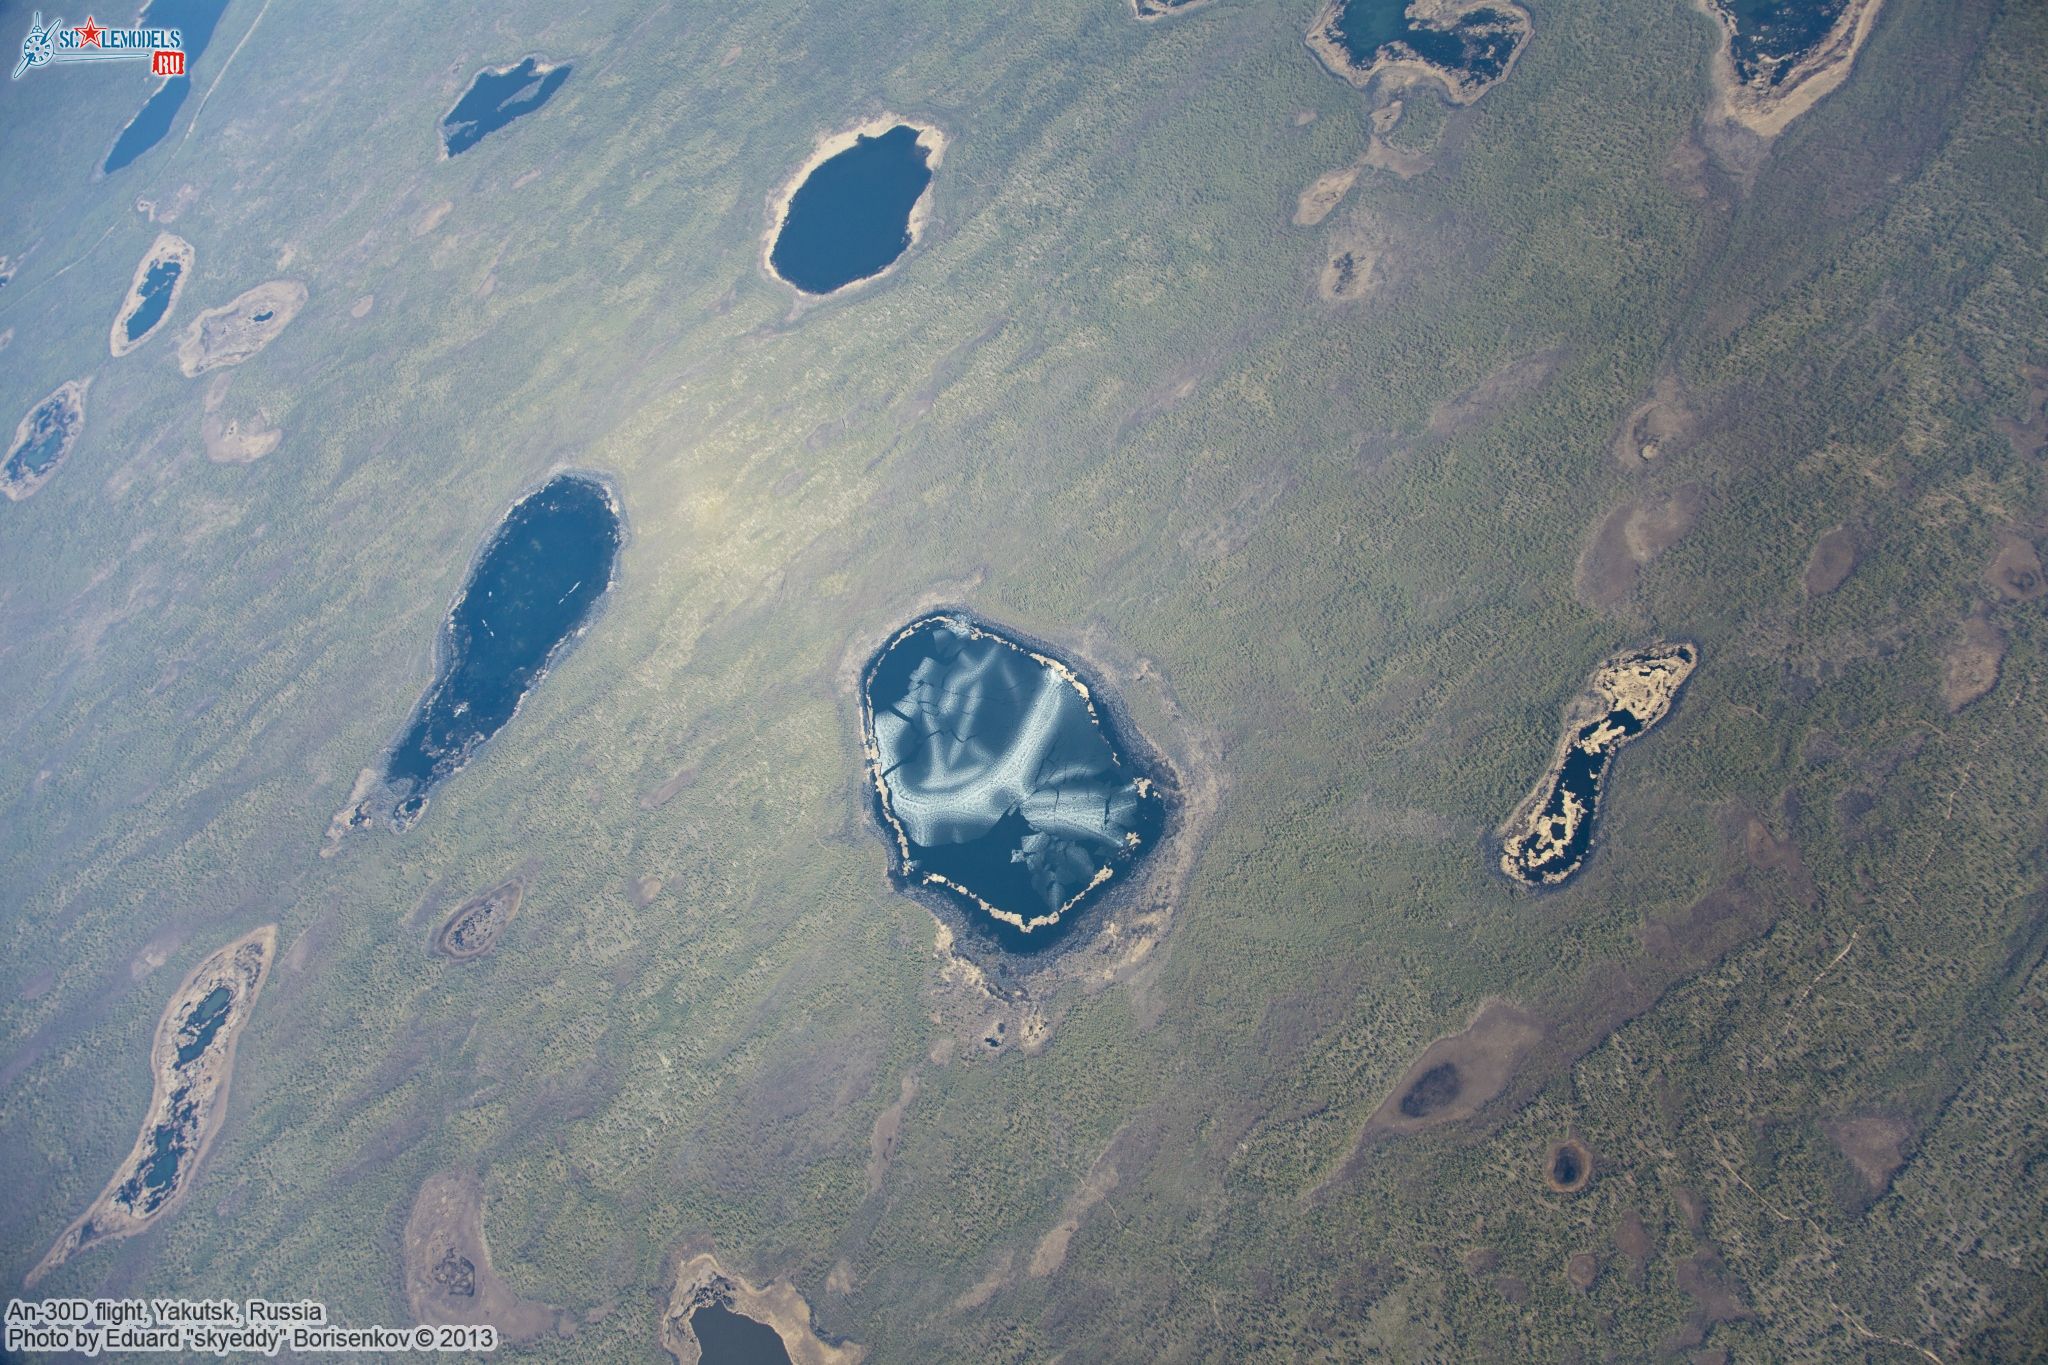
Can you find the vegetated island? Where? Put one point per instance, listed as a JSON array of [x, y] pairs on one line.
[[530, 592], [191, 1060], [496, 96], [1004, 787], [1779, 58], [715, 1316], [855, 207], [159, 279], [239, 328], [42, 439], [1550, 835], [1465, 46]]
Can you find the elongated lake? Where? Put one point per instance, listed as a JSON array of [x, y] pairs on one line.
[[1001, 779], [195, 20], [156, 297], [530, 592], [496, 97], [851, 217]]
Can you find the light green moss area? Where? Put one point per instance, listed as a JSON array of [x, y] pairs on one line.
[[1100, 402]]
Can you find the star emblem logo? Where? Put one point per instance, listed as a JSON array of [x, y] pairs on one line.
[[89, 33]]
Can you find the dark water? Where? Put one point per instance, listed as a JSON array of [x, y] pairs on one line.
[[728, 1338], [196, 20], [851, 216], [1432, 1090], [50, 425], [204, 1021], [1564, 1167], [156, 296], [1479, 43], [1773, 34], [494, 99], [1580, 780], [1003, 779], [169, 1142], [531, 590]]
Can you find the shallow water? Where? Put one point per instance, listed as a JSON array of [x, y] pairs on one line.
[[1002, 779], [50, 423], [531, 590], [196, 20], [156, 297], [850, 219], [495, 98], [730, 1338]]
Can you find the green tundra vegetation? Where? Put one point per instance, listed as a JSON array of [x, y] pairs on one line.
[[1330, 549]]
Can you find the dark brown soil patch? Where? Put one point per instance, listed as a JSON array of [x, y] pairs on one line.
[[1970, 667], [1832, 561], [2015, 572], [1632, 1240], [1874, 1144], [1657, 426], [448, 1274], [2029, 435], [1627, 539], [1516, 379], [1568, 1166], [1457, 1074]]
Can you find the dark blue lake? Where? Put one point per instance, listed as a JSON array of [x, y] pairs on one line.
[[156, 296], [1478, 42], [730, 1338], [195, 20], [1001, 781], [530, 591], [851, 216], [495, 98]]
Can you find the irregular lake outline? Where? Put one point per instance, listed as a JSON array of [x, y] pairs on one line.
[[929, 136], [548, 77], [191, 1062], [65, 403], [1401, 63], [367, 805], [1013, 933], [1628, 695]]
